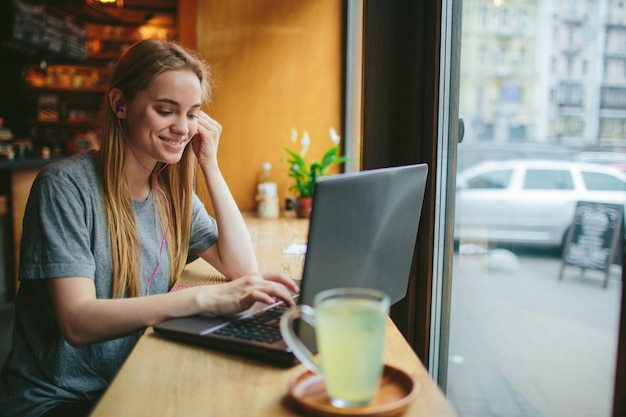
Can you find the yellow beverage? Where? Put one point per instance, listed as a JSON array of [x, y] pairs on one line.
[[350, 339]]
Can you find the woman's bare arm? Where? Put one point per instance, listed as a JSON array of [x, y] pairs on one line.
[[84, 319]]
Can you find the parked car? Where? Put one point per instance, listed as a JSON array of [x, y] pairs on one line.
[[529, 201]]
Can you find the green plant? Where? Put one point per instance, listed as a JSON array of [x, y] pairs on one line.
[[305, 174]]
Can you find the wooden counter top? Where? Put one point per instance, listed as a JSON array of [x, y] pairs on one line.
[[167, 378]]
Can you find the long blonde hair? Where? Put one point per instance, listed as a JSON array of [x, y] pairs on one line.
[[134, 71]]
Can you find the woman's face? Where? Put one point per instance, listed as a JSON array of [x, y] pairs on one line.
[[163, 118]]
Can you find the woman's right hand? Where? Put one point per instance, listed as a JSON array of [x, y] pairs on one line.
[[84, 319], [241, 293]]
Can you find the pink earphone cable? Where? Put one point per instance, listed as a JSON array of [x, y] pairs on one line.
[[164, 229]]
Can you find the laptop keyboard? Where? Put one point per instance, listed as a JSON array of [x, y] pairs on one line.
[[263, 327]]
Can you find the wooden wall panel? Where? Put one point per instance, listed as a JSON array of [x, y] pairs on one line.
[[277, 64], [186, 10]]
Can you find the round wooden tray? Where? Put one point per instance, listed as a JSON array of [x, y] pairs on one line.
[[397, 390]]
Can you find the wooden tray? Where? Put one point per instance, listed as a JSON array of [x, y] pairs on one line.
[[397, 390]]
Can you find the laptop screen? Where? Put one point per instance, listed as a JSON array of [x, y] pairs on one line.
[[363, 230]]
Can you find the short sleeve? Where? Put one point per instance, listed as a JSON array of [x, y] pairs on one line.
[[56, 239], [204, 232]]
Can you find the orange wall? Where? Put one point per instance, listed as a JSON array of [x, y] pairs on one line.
[[277, 65]]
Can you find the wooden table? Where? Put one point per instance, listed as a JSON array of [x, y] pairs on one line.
[[167, 378]]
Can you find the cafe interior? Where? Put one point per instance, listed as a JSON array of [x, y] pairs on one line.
[[377, 72]]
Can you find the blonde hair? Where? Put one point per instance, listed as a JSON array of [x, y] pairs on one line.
[[134, 71]]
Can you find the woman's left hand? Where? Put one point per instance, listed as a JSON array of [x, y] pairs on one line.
[[206, 139], [233, 254]]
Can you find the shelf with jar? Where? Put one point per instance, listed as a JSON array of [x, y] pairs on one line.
[[66, 77], [61, 103], [108, 42]]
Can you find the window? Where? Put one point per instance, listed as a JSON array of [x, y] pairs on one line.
[[486, 131], [612, 127], [517, 133], [614, 69], [597, 181], [491, 180], [570, 94], [480, 96], [571, 125], [482, 56], [613, 98], [504, 18], [523, 21], [501, 57], [511, 320], [544, 179], [484, 17], [569, 65], [511, 93]]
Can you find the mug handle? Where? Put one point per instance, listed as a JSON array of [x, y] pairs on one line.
[[299, 349]]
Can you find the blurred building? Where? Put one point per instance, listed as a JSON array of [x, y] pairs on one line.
[[544, 71]]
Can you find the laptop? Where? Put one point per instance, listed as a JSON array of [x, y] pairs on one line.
[[362, 233]]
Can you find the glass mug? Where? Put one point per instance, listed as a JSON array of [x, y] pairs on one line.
[[350, 331]]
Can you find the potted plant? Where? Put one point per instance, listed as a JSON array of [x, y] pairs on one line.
[[305, 174]]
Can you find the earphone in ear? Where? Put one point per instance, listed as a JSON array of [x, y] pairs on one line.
[[120, 107]]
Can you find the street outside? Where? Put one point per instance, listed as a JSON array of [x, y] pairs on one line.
[[524, 344]]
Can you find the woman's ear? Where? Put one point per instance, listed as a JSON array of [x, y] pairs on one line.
[[117, 102]]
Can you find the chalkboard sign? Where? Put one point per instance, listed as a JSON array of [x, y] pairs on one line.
[[28, 19], [593, 237], [27, 26], [53, 36], [75, 40]]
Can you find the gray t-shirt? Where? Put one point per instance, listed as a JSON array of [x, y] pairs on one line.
[[66, 234]]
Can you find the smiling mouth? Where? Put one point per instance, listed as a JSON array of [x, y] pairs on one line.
[[175, 142]]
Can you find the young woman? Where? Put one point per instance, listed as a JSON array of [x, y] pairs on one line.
[[107, 233]]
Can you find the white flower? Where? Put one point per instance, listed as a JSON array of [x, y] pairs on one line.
[[305, 142], [334, 136], [294, 135]]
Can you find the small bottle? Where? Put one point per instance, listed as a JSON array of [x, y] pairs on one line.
[[5, 132], [267, 194]]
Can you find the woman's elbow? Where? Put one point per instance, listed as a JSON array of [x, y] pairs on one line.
[[74, 336], [241, 269]]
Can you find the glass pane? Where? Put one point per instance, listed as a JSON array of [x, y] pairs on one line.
[[492, 179], [599, 182], [548, 179], [543, 98]]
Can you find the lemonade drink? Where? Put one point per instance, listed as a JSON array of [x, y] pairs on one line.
[[350, 338]]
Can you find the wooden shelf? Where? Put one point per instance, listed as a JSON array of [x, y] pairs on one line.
[[52, 89], [62, 101], [61, 123]]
